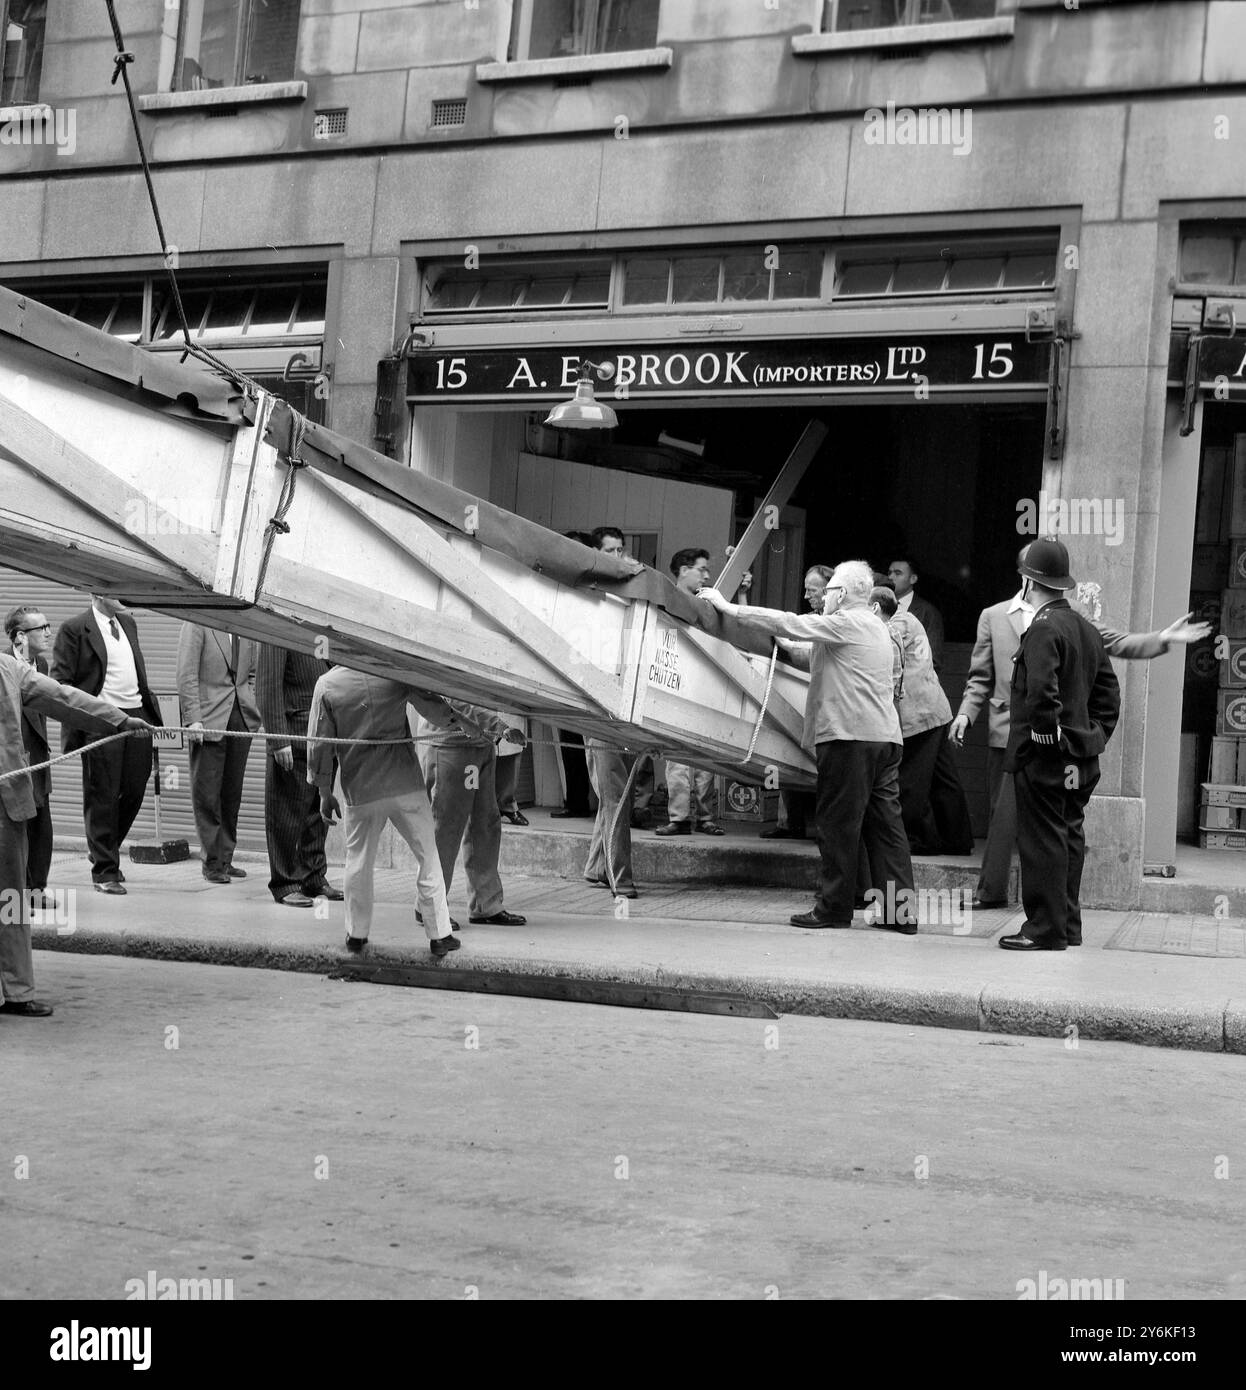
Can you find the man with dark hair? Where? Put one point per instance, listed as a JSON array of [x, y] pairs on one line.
[[689, 789], [797, 808], [30, 637], [609, 540], [98, 653], [904, 575], [1065, 702], [22, 687]]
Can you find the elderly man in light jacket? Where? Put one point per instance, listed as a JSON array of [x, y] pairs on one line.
[[924, 718]]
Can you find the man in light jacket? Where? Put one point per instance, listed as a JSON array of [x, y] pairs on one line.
[[216, 687]]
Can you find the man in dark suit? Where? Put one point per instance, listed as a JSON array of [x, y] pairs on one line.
[[904, 576], [1064, 707], [216, 688], [1000, 628], [284, 684], [98, 653], [30, 638], [22, 687]]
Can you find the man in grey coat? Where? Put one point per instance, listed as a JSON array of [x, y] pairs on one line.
[[22, 687], [1000, 628]]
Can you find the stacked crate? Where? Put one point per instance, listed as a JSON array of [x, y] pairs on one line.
[[1222, 814]]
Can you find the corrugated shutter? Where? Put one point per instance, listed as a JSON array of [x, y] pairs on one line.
[[158, 636]]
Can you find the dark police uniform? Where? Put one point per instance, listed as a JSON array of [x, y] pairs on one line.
[[1065, 702]]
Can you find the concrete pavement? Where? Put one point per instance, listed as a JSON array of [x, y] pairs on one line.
[[1159, 979]]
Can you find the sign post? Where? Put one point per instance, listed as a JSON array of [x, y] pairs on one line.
[[163, 851]]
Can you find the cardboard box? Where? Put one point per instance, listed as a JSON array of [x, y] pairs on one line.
[[1231, 712], [1233, 612], [1220, 817], [737, 801], [1221, 839], [1206, 608], [1233, 666], [1228, 761], [1237, 563], [1214, 795]]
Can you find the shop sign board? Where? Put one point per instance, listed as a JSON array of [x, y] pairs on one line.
[[897, 366]]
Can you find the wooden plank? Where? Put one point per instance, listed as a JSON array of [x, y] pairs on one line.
[[252, 488], [71, 473], [736, 667], [779, 494], [431, 550]]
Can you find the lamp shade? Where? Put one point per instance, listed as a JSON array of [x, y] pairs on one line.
[[582, 412]]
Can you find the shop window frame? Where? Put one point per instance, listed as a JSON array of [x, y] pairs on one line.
[[9, 101]]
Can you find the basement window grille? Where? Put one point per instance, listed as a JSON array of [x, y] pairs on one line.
[[216, 113], [451, 111], [327, 124]]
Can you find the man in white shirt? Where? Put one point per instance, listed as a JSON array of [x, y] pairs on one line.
[[98, 652]]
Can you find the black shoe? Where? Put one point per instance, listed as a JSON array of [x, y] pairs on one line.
[[213, 876], [235, 873], [454, 926], [641, 820], [295, 899], [110, 885], [811, 919], [981, 904], [502, 919], [675, 827], [515, 817], [1020, 942], [325, 890], [29, 1008], [624, 890], [443, 945], [709, 827], [567, 814], [355, 944], [904, 928], [782, 832]]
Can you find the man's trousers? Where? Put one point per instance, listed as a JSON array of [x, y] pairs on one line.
[[462, 787], [917, 765], [689, 794], [114, 782], [39, 846], [1052, 792], [608, 771], [217, 771], [412, 817], [859, 801], [17, 965], [1001, 834], [575, 772], [947, 802], [293, 828]]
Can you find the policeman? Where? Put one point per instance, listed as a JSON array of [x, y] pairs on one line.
[[1064, 706]]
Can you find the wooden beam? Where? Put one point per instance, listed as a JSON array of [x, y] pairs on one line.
[[436, 554], [65, 468], [778, 495]]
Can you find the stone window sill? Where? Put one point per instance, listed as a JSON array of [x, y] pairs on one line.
[[584, 66], [207, 97], [905, 36]]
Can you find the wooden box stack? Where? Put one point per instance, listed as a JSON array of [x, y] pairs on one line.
[[1222, 821]]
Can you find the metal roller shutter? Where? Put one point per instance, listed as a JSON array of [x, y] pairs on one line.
[[158, 637]]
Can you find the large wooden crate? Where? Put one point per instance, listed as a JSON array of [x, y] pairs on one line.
[[106, 488]]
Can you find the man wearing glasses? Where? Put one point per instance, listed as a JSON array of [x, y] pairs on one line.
[[30, 639], [853, 731], [21, 688]]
